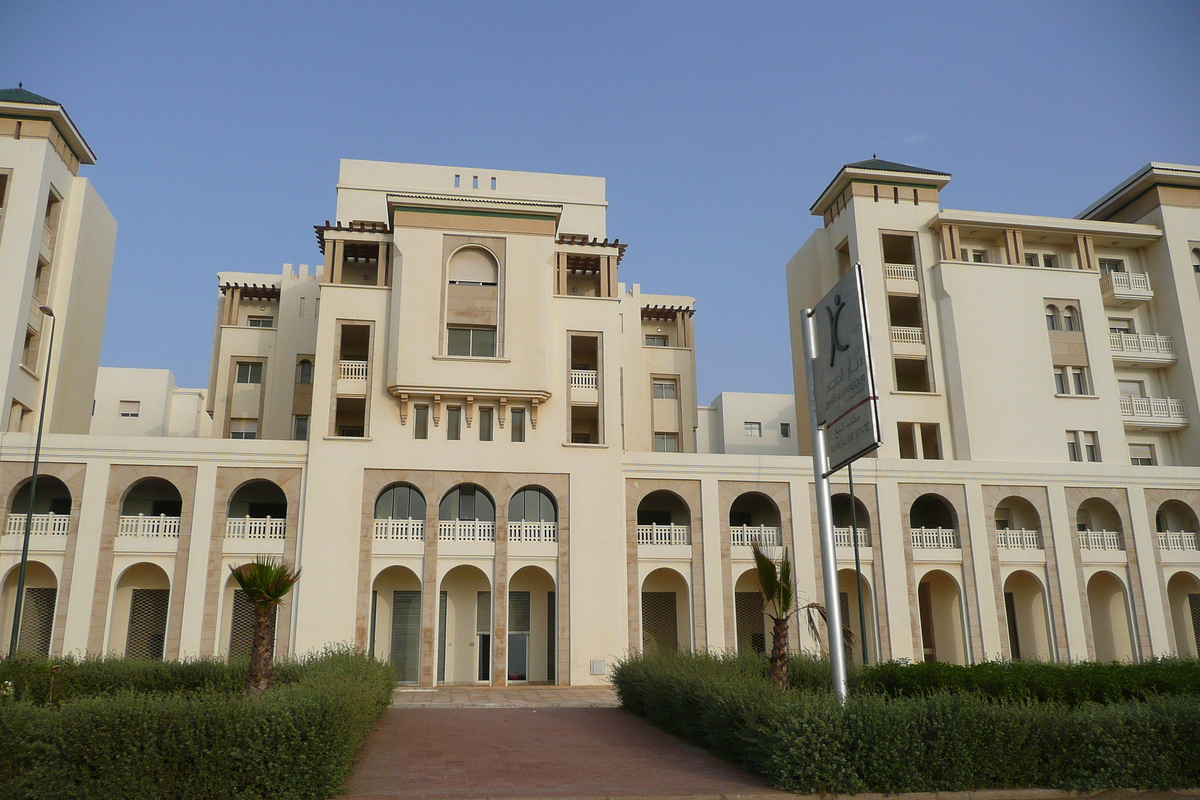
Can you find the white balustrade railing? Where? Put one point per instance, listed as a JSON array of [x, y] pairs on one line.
[[908, 335], [1177, 540], [583, 379], [841, 537], [400, 530], [1018, 539], [934, 538], [1164, 408], [255, 528], [352, 370], [1125, 281], [903, 272], [43, 524], [1151, 344], [1100, 540], [466, 530], [532, 531], [765, 535], [160, 526], [664, 534]]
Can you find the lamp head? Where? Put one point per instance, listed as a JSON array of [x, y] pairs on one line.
[[49, 312]]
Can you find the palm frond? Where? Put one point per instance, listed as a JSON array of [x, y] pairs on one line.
[[768, 578], [265, 580]]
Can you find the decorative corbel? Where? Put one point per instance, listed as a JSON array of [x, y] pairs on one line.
[[503, 409], [470, 404], [437, 409], [404, 408], [533, 413]]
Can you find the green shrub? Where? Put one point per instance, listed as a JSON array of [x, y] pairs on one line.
[[204, 739], [933, 739]]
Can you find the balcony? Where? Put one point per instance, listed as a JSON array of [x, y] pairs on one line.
[[43, 525], [1018, 539], [1133, 349], [532, 531], [466, 530], [1100, 540], [1177, 540], [1126, 289], [908, 341], [400, 530], [841, 537], [664, 534], [352, 378], [1140, 413], [746, 535], [934, 538], [160, 527], [901, 278], [585, 386], [261, 528]]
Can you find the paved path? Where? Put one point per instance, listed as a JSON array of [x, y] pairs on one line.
[[507, 697], [465, 753]]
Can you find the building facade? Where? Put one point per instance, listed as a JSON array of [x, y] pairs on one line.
[[485, 450]]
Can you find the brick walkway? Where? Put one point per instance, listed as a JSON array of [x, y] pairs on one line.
[[508, 697], [453, 753]]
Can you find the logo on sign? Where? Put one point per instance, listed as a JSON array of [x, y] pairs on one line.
[[836, 345]]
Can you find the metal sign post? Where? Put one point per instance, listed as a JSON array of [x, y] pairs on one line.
[[844, 415]]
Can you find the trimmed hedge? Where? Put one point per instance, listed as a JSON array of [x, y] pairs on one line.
[[803, 741], [198, 739]]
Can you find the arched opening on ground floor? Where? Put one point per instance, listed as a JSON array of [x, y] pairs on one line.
[[666, 617], [1108, 604], [941, 611], [37, 608], [532, 632], [237, 619], [752, 625], [1183, 595], [396, 621], [141, 604], [851, 619], [1025, 614], [465, 626]]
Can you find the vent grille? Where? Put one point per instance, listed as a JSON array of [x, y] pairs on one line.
[[241, 626], [406, 634], [37, 621], [659, 622], [1194, 602], [147, 624], [751, 633]]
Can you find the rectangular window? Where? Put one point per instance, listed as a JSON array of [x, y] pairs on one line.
[[665, 390], [657, 340], [1031, 259], [300, 428], [1090, 447], [753, 429], [1117, 325], [1131, 388], [518, 424], [1141, 455], [478, 342], [666, 442], [485, 424], [785, 430], [581, 438], [129, 408], [1060, 380], [1072, 447], [1110, 265], [243, 429], [260, 322], [1049, 261], [1079, 378], [974, 255], [249, 372], [454, 423], [421, 422]]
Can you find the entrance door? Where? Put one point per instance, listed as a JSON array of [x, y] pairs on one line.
[[406, 634], [518, 636]]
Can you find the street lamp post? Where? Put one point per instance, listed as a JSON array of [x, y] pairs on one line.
[[37, 457]]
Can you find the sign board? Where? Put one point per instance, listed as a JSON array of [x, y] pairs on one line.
[[844, 377]]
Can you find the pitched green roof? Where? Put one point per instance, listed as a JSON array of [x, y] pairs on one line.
[[20, 95], [892, 166]]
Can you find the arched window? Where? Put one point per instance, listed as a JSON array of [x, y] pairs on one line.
[[258, 499], [1052, 319], [473, 265], [304, 371], [467, 502], [1196, 259], [533, 504], [1070, 319], [400, 501]]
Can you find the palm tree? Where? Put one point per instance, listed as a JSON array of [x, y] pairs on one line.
[[777, 583], [266, 582]]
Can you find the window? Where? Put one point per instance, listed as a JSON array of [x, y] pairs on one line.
[[1031, 259], [1052, 321], [493, 183], [454, 423], [753, 429], [1071, 319], [666, 442], [1110, 265], [421, 422], [665, 390], [1079, 379], [974, 255], [518, 424], [249, 372], [260, 322], [1083, 445], [1090, 448], [300, 428], [785, 430], [1120, 325], [1072, 447], [243, 429], [485, 424], [29, 353], [1060, 380], [1132, 388], [478, 342], [581, 438], [1072, 380], [657, 340], [129, 408], [304, 372], [457, 181], [1196, 259], [1048, 260], [1141, 455]]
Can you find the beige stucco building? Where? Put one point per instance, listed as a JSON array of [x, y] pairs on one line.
[[485, 450]]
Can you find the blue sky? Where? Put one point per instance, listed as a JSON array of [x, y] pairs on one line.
[[218, 128]]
